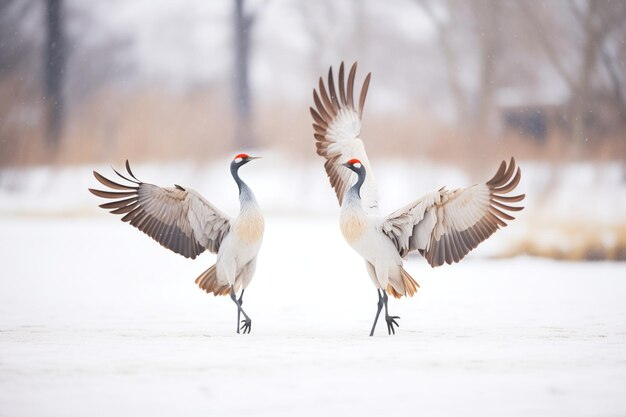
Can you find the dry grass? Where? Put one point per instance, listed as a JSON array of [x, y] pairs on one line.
[[155, 124], [148, 126], [572, 241], [21, 127], [113, 126]]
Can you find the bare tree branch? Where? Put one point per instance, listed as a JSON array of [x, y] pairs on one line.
[[550, 50], [576, 11], [616, 82], [427, 8], [444, 35], [55, 62], [251, 17]]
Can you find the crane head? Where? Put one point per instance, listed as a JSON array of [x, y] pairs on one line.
[[242, 159], [354, 165]]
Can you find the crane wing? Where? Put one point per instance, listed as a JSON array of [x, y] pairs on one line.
[[445, 225], [337, 125], [180, 219]]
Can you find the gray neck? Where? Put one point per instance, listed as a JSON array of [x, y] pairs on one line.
[[245, 193], [355, 191]]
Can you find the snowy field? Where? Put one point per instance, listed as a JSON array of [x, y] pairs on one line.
[[96, 319], [566, 206]]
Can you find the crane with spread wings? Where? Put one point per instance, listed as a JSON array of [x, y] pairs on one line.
[[443, 225], [183, 221]]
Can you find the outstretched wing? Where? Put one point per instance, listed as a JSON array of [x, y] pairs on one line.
[[179, 219], [337, 125], [445, 225]]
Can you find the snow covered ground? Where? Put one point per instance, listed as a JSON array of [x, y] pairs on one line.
[[96, 319], [572, 208]]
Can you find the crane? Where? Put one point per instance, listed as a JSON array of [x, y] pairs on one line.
[[183, 221], [443, 225]]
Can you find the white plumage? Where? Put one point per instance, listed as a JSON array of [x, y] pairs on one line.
[[183, 221], [442, 225], [337, 128]]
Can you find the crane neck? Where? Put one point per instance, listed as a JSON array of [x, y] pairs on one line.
[[245, 193], [355, 191]]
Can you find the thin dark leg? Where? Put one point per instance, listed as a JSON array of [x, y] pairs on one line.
[[380, 307], [239, 311], [247, 323], [391, 320]]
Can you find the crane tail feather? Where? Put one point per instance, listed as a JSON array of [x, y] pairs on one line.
[[207, 281], [409, 284]]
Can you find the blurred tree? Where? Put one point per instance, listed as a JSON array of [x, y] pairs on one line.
[[19, 81], [487, 15], [319, 19], [38, 93], [360, 27], [54, 71], [444, 25], [613, 56], [478, 24], [594, 22], [14, 45], [97, 57], [244, 21]]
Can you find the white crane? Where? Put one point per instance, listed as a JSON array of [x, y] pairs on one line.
[[442, 225], [181, 220]]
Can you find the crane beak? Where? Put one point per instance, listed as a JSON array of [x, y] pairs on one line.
[[250, 158]]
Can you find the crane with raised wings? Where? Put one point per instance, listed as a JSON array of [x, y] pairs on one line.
[[443, 225], [183, 221]]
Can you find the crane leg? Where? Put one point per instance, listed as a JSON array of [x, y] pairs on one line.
[[380, 307], [238, 310], [391, 320], [247, 322]]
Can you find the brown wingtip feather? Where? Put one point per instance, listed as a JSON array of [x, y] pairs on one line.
[[504, 181], [351, 77], [129, 170], [328, 104], [497, 177], [318, 119], [503, 175], [320, 108], [508, 199], [105, 181], [363, 95], [111, 194], [331, 89], [342, 85], [509, 172], [126, 209], [505, 206], [501, 214], [125, 177], [118, 203], [320, 139], [318, 129], [511, 185]]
